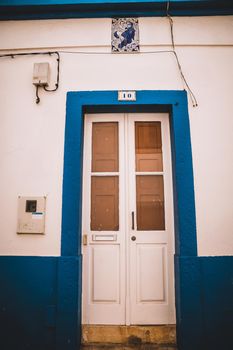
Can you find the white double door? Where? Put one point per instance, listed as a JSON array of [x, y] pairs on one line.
[[128, 270]]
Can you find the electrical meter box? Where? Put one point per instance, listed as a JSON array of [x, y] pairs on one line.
[[41, 74], [31, 215]]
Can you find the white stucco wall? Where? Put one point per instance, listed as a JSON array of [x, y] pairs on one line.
[[32, 136]]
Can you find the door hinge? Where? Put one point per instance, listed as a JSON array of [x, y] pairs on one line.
[[85, 239]]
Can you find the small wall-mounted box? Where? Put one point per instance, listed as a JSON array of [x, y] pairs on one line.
[[31, 215], [41, 74]]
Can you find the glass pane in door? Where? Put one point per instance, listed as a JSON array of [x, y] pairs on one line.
[[150, 202], [104, 203], [105, 147], [148, 144], [105, 189]]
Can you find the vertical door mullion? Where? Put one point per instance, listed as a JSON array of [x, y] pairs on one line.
[[125, 173], [132, 208]]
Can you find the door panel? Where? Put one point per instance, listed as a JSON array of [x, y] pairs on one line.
[[105, 273], [149, 288], [151, 250], [128, 273], [103, 221]]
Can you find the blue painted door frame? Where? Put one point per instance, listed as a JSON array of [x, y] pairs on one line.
[[173, 102]]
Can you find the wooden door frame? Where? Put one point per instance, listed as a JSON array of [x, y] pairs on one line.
[[149, 101]]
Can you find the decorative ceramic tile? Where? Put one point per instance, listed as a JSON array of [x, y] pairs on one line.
[[125, 35]]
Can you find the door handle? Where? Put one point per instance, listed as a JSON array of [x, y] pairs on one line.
[[132, 216], [133, 238]]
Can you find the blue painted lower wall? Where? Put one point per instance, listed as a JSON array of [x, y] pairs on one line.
[[40, 306], [204, 297], [39, 303]]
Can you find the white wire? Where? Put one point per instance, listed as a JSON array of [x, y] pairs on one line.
[[192, 96]]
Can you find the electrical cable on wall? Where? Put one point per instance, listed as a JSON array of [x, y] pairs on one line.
[[50, 53], [192, 96], [173, 51], [58, 72]]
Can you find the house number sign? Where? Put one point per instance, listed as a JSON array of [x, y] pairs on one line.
[[126, 95]]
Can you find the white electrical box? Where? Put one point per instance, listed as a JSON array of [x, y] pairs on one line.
[[31, 215], [41, 74]]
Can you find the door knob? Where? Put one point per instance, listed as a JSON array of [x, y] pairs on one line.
[[133, 238]]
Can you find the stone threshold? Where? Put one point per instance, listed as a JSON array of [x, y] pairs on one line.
[[130, 335], [126, 347]]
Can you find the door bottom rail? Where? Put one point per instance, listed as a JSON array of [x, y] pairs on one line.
[[130, 335]]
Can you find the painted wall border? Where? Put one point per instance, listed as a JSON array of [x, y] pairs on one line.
[[49, 9], [174, 102]]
